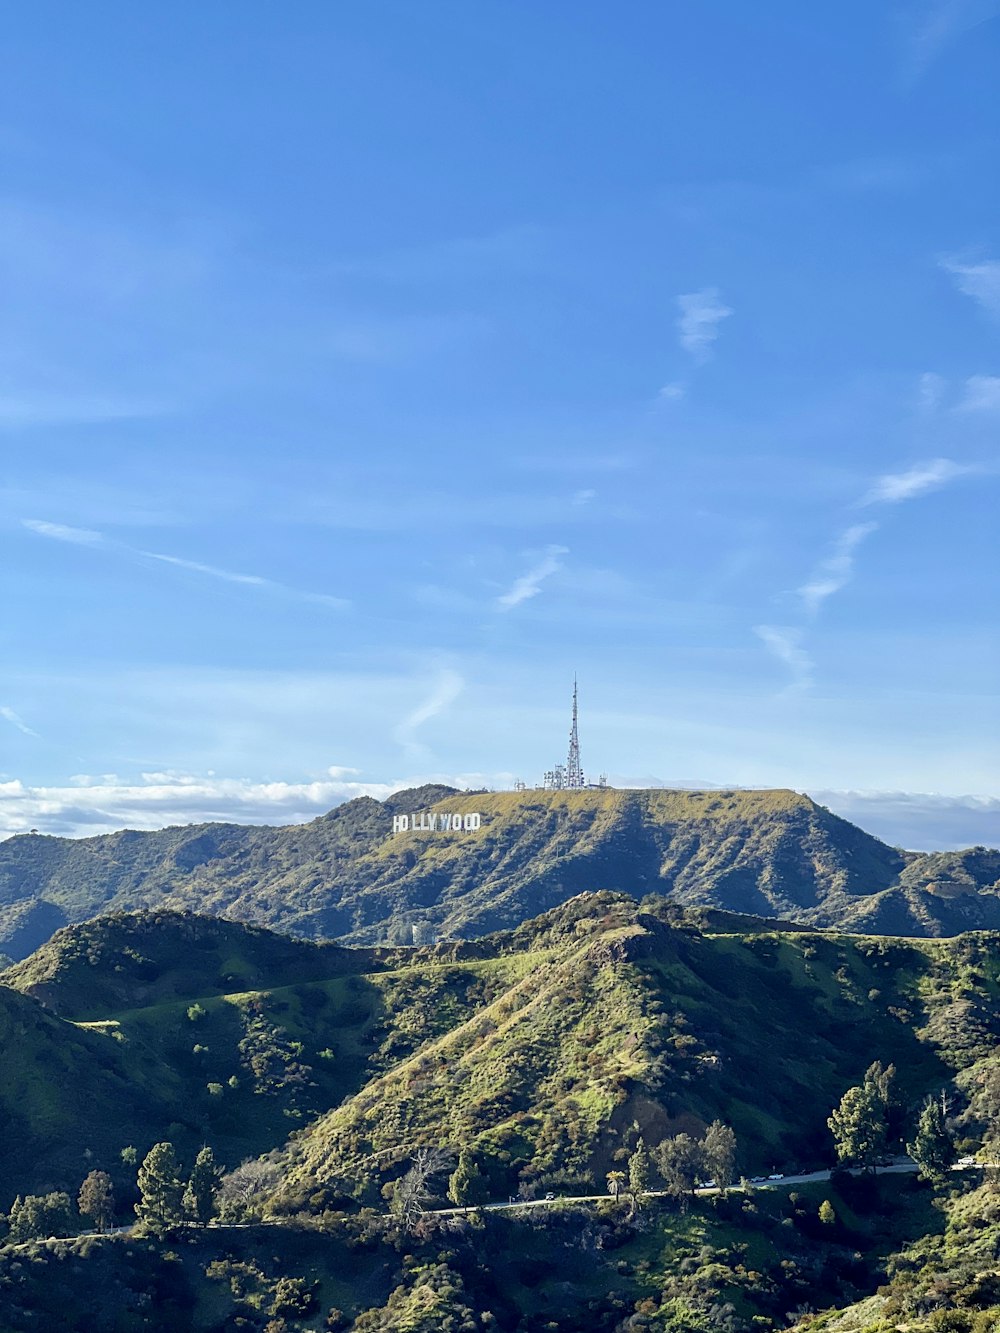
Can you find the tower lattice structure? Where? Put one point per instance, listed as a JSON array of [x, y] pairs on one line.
[[574, 769]]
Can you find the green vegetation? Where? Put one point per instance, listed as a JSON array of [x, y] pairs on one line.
[[284, 1120], [768, 853]]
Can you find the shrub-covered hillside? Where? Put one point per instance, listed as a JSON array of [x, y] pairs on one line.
[[346, 875]]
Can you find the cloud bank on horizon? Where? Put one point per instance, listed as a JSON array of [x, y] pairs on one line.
[[92, 805]]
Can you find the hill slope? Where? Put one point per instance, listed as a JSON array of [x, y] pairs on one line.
[[346, 875], [626, 1024]]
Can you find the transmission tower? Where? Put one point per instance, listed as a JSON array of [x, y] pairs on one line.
[[574, 769]]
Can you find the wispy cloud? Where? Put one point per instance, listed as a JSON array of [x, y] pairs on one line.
[[698, 322], [836, 570], [931, 391], [444, 692], [979, 280], [17, 721], [982, 394], [59, 532], [939, 23], [529, 584], [895, 487], [43, 409], [88, 537], [672, 392], [584, 496], [785, 643]]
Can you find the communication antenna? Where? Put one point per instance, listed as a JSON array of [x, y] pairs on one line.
[[574, 769]]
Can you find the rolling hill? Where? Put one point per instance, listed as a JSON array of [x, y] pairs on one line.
[[347, 876], [545, 1049]]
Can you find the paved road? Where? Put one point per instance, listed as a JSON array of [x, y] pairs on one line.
[[897, 1167]]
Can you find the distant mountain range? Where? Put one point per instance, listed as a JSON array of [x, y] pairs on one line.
[[347, 875]]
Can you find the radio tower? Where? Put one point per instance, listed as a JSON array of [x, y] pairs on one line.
[[574, 769]]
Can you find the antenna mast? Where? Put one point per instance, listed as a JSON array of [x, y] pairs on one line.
[[574, 769]]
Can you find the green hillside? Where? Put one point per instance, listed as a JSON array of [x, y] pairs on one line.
[[347, 876], [542, 1053], [626, 1025]]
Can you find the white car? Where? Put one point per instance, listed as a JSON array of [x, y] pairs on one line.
[[777, 1176]]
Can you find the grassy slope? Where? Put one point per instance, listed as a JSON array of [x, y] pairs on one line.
[[542, 1048], [773, 853], [632, 1023]]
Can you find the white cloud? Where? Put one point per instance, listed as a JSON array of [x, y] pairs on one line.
[[701, 313], [444, 692], [981, 281], [585, 496], [673, 392], [43, 409], [785, 642], [895, 487], [932, 390], [250, 580], [529, 585], [17, 721], [86, 537], [919, 821], [95, 805], [982, 394], [59, 532], [835, 571], [939, 23]]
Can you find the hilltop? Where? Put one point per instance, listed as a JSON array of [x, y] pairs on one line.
[[346, 875]]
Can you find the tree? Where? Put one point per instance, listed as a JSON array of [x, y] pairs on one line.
[[39, 1215], [160, 1189], [412, 1193], [466, 1187], [679, 1161], [827, 1215], [860, 1124], [97, 1199], [718, 1150], [932, 1148], [253, 1179], [199, 1195], [616, 1179], [638, 1171]]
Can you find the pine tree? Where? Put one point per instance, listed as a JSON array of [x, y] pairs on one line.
[[160, 1189], [97, 1199], [466, 1186], [859, 1123], [827, 1215], [638, 1170], [932, 1148], [199, 1195]]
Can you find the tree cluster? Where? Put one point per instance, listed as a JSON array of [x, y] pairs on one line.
[[679, 1163]]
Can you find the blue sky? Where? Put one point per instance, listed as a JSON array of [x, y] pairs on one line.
[[367, 369]]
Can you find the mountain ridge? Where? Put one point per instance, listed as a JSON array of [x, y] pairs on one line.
[[345, 875]]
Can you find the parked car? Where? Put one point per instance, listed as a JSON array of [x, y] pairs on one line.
[[550, 1197], [777, 1176]]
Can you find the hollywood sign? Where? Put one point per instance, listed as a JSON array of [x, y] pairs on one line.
[[431, 822]]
